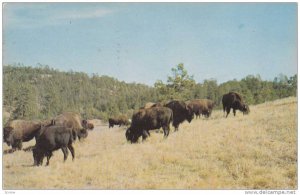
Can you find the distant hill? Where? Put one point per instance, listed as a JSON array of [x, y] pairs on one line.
[[43, 92]]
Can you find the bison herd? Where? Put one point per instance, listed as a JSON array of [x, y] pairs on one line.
[[61, 131], [50, 135]]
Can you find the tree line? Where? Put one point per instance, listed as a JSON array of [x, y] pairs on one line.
[[42, 92]]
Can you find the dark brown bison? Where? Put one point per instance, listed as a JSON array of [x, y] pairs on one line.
[[120, 120], [234, 100], [149, 119], [181, 112], [16, 132], [201, 106], [73, 120], [52, 138]]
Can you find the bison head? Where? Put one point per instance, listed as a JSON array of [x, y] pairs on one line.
[[127, 122], [189, 113], [82, 133], [38, 156], [7, 135], [14, 139], [245, 109], [90, 126], [128, 134], [87, 125], [131, 136]]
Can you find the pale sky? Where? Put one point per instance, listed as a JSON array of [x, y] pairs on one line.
[[141, 42]]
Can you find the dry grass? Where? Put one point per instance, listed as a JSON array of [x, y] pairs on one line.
[[243, 152]]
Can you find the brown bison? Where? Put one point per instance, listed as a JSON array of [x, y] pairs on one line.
[[234, 100], [73, 120], [52, 138], [181, 112], [16, 132], [120, 120], [149, 119], [201, 106]]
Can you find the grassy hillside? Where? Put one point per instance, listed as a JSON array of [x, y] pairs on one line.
[[243, 152]]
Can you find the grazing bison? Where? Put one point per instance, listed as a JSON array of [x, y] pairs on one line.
[[120, 120], [234, 100], [52, 138], [149, 119], [181, 112], [17, 131], [201, 106], [73, 120]]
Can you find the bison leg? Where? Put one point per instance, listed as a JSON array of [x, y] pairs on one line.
[[227, 111], [134, 138], [207, 114], [234, 112], [66, 153], [175, 125], [145, 134], [49, 155], [20, 145], [71, 148], [197, 114], [166, 131], [17, 145]]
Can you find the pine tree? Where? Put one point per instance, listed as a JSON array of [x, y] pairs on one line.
[[179, 86], [26, 102]]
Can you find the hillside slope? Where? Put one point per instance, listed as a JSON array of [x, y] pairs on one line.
[[244, 152]]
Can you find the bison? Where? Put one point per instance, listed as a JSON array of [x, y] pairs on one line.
[[52, 138], [74, 121], [181, 112], [149, 119], [120, 120], [201, 106], [234, 100], [15, 132]]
